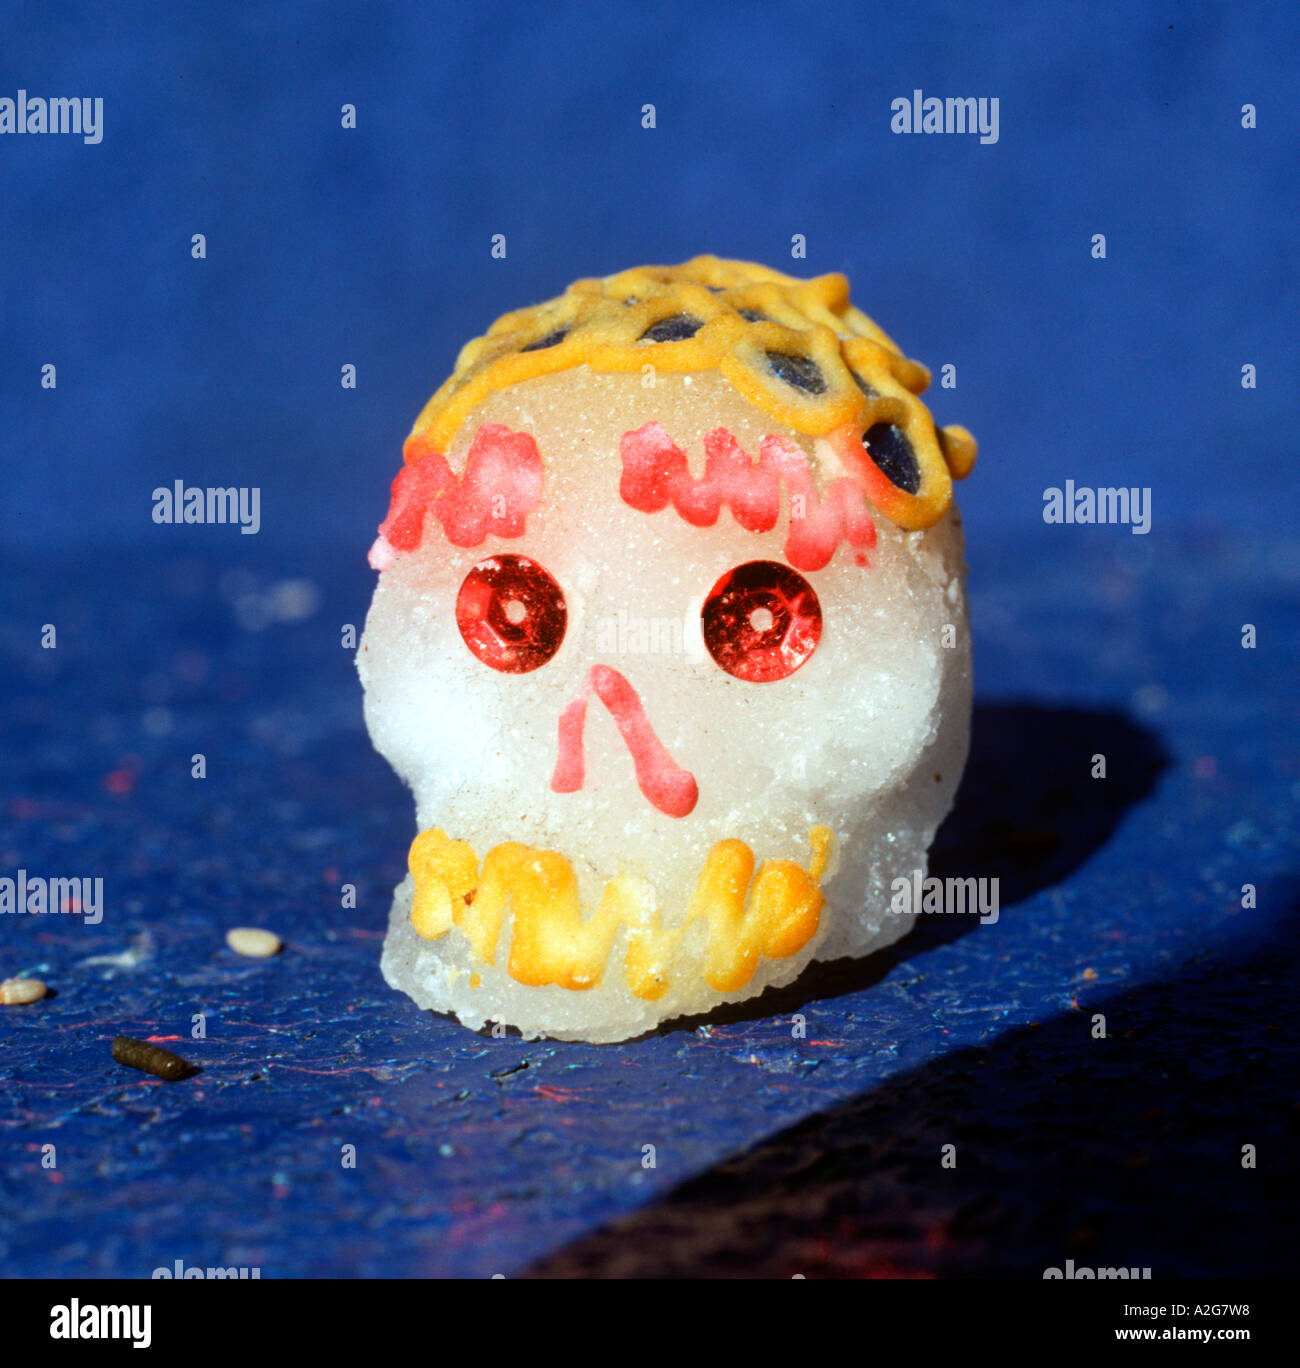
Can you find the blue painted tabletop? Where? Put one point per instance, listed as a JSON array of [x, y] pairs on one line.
[[773, 1154]]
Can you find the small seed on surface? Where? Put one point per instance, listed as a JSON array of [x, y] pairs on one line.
[[251, 941], [15, 992], [139, 1054]]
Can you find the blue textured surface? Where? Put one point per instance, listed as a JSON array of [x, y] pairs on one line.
[[477, 1155]]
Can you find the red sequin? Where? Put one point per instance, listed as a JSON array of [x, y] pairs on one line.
[[762, 621], [511, 613]]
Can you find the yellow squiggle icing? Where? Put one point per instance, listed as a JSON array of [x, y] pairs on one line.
[[774, 913]]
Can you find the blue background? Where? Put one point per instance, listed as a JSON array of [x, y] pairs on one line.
[[372, 246]]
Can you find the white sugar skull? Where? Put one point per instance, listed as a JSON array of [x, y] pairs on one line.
[[670, 643]]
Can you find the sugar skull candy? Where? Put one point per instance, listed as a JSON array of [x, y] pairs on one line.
[[670, 643]]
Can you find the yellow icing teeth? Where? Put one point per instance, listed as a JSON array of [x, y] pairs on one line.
[[796, 349], [773, 914]]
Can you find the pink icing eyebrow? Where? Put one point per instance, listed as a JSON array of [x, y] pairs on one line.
[[502, 483], [656, 473], [500, 486], [664, 783]]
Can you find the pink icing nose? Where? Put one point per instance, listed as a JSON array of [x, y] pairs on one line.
[[670, 788]]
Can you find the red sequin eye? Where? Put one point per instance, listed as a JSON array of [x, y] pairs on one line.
[[761, 621], [511, 614]]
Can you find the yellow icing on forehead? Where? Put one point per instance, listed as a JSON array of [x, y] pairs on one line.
[[796, 349], [774, 913]]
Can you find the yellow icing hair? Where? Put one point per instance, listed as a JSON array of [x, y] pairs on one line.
[[796, 349]]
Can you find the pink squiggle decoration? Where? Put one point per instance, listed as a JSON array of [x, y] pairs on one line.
[[664, 783], [656, 473], [381, 555], [500, 486]]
